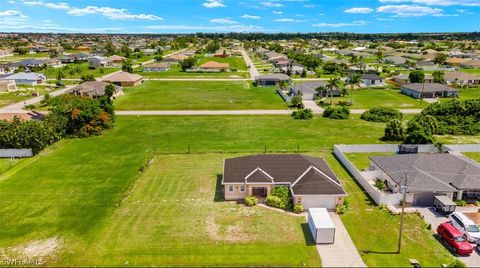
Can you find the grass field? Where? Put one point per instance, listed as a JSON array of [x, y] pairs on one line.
[[361, 160], [199, 95], [368, 98], [18, 57], [176, 72], [20, 95], [51, 73], [470, 93], [474, 156]]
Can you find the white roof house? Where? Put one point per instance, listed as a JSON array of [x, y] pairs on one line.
[[26, 78]]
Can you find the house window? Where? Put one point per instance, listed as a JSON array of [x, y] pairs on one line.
[[242, 188], [230, 188]]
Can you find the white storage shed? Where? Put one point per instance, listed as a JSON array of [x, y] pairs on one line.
[[321, 226]]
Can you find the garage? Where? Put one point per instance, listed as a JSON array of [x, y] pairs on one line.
[[423, 199], [319, 201]]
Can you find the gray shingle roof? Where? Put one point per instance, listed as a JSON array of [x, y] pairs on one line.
[[431, 172], [428, 87]]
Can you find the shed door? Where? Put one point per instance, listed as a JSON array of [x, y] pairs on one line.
[[319, 201], [423, 199]]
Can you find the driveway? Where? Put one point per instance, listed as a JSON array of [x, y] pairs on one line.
[[435, 219], [343, 252], [312, 105]]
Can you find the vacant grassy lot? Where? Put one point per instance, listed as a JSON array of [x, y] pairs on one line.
[[368, 98], [199, 95], [176, 72], [21, 95], [51, 73], [470, 93], [236, 62]]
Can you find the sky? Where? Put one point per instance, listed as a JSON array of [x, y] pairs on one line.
[[190, 16]]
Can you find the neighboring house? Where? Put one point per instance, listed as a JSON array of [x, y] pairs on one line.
[[403, 79], [311, 181], [221, 54], [67, 59], [7, 86], [455, 61], [123, 79], [81, 57], [8, 68], [94, 89], [395, 60], [425, 65], [471, 64], [31, 63], [97, 62], [428, 174], [117, 59], [271, 79], [213, 66], [30, 79], [428, 90], [309, 90], [460, 78], [6, 53], [156, 67], [372, 80], [52, 62], [176, 57], [294, 69]]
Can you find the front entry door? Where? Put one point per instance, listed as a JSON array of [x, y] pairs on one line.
[[259, 191]]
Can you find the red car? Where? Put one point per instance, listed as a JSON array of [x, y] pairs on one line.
[[454, 238]]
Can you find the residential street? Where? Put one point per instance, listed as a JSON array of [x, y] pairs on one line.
[[18, 107], [253, 70]]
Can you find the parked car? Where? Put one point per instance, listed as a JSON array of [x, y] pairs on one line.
[[454, 239], [465, 225]]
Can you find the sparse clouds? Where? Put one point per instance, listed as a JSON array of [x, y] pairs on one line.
[[213, 4], [271, 4], [277, 12], [223, 21], [246, 16], [222, 28], [409, 10], [437, 2], [59, 6], [12, 14], [340, 24], [288, 20], [359, 10], [111, 13]]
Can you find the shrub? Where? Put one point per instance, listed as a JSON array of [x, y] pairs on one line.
[[303, 114], [461, 203], [346, 202], [456, 263], [296, 101], [336, 112], [274, 201], [380, 185], [298, 208], [420, 129], [381, 114], [340, 209], [251, 200], [393, 131]]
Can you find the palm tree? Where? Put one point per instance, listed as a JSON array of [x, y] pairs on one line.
[[283, 85], [379, 55], [353, 81], [333, 83]]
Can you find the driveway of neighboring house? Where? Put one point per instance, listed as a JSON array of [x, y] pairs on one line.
[[312, 105], [434, 218], [343, 252]]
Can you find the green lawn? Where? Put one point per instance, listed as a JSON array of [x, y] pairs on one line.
[[176, 72], [471, 71], [362, 160], [51, 73], [21, 95], [236, 62], [474, 156], [18, 57], [368, 98], [199, 95], [470, 93]]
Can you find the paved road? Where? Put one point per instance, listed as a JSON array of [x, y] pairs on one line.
[[343, 252], [18, 107], [253, 70], [199, 79]]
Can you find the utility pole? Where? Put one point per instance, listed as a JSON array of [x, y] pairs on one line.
[[404, 190]]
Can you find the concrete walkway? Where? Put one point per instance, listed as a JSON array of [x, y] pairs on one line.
[[312, 105], [253, 70], [343, 252]]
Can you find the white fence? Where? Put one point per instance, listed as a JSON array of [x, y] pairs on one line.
[[15, 153]]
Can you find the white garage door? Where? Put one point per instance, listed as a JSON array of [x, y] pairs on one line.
[[307, 96], [327, 202]]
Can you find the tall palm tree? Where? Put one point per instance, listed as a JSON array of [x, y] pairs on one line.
[[353, 81], [333, 83], [283, 85], [379, 56]]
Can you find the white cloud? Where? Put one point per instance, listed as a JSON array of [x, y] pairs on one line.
[[288, 20], [277, 12], [359, 10], [59, 6], [271, 4], [223, 21], [12, 14], [111, 13], [384, 19], [341, 24], [409, 10], [437, 2], [246, 16], [213, 4], [222, 28]]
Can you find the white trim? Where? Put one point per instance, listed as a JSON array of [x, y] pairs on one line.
[[303, 174], [261, 170]]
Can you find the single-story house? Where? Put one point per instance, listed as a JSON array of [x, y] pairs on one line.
[[94, 89], [395, 60], [52, 62], [156, 67], [455, 61], [425, 65], [428, 90], [7, 86], [117, 59], [403, 79], [123, 79], [311, 181], [471, 64], [31, 63], [81, 57], [97, 62], [428, 174], [271, 79], [23, 78], [177, 57], [372, 80], [294, 69], [215, 66], [67, 59], [309, 90], [461, 78]]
